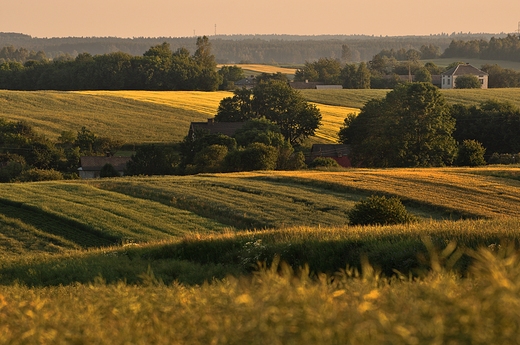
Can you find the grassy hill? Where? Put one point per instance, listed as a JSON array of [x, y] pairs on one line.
[[136, 117], [63, 216], [180, 258]]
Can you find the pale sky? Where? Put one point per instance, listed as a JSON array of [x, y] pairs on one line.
[[180, 18]]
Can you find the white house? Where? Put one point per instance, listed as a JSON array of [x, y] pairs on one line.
[[448, 78]]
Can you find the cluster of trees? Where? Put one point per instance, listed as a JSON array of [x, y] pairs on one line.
[[11, 54], [28, 156], [501, 77], [158, 69], [276, 120], [497, 48], [413, 126]]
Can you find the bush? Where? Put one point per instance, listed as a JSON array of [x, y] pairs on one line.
[[471, 153], [108, 170], [325, 162], [378, 210], [34, 175]]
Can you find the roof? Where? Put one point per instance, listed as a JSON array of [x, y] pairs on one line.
[[464, 69], [330, 150], [304, 84], [212, 127], [95, 163]]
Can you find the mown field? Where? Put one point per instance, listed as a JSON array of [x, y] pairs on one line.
[[167, 260]]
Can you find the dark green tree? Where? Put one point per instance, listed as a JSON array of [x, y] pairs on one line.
[[471, 153], [379, 210], [410, 127], [467, 81], [151, 160]]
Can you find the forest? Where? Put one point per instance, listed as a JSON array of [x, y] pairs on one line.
[[270, 49]]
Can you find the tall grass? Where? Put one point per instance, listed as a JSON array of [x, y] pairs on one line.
[[277, 306]]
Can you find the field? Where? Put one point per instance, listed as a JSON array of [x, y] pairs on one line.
[[258, 68], [258, 257], [125, 260], [136, 117]]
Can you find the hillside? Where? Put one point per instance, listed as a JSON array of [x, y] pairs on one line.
[[136, 117], [57, 216]]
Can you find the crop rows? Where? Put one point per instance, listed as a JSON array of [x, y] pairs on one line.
[[107, 214]]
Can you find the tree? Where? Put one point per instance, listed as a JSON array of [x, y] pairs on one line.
[[277, 102], [108, 170], [151, 160], [324, 70], [467, 81], [423, 75], [229, 75], [410, 127], [471, 153]]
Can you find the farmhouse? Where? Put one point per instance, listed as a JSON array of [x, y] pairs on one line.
[[212, 127], [450, 76], [338, 152], [90, 166]]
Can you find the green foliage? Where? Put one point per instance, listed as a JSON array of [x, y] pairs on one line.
[[325, 70], [210, 159], [378, 210], [494, 124], [323, 162], [471, 153], [230, 74], [35, 174], [423, 75], [410, 127], [275, 101], [468, 81], [108, 170], [151, 160], [257, 156], [157, 69]]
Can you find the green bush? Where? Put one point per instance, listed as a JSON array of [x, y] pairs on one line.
[[108, 170], [471, 153], [378, 210], [326, 162], [35, 174]]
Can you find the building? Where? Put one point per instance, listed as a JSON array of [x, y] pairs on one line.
[[90, 166], [449, 78], [212, 127], [338, 152]]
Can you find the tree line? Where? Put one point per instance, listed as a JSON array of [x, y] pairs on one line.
[[497, 48], [413, 126], [158, 69], [282, 49]]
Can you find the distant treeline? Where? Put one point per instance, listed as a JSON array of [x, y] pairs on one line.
[[157, 69], [281, 49], [506, 48]]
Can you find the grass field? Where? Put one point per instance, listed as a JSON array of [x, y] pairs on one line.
[[136, 117], [258, 68], [175, 259]]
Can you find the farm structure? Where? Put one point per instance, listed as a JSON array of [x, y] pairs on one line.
[[450, 76], [90, 166], [338, 152], [212, 127]]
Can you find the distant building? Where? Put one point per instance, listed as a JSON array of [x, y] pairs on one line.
[[302, 85], [212, 127], [90, 166], [449, 78], [246, 83], [339, 152]]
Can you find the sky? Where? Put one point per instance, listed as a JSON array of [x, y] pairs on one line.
[[185, 18]]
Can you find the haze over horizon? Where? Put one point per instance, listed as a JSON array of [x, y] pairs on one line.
[[167, 18]]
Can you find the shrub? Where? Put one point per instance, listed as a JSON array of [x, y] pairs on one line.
[[325, 162], [108, 170], [34, 175], [378, 210], [471, 153]]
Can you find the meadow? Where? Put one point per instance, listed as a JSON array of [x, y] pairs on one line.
[[257, 257], [114, 261], [137, 117]]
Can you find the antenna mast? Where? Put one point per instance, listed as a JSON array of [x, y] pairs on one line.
[[216, 28]]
